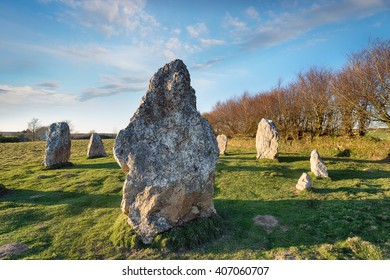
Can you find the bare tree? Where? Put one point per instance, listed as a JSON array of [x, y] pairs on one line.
[[371, 67], [33, 126]]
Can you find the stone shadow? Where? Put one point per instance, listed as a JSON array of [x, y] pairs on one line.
[[302, 223]]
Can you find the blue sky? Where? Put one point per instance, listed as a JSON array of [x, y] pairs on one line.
[[90, 61]]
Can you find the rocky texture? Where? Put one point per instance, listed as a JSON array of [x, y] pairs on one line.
[[317, 165], [222, 143], [3, 190], [169, 154], [96, 147], [57, 145], [268, 222], [267, 137], [12, 249], [304, 182]]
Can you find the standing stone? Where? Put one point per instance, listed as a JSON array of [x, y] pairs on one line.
[[222, 143], [267, 137], [96, 147], [57, 145], [169, 154], [317, 165], [304, 182]]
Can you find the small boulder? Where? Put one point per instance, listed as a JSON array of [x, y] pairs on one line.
[[304, 182], [58, 145], [267, 138], [317, 165], [222, 143], [96, 147]]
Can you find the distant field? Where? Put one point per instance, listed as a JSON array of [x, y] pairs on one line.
[[70, 213]]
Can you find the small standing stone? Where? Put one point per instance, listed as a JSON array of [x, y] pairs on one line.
[[57, 145], [267, 137], [317, 165], [96, 147], [222, 143], [304, 182]]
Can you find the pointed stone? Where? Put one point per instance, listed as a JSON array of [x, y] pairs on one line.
[[317, 165], [304, 182], [222, 143], [169, 154], [96, 147], [267, 138], [58, 145]]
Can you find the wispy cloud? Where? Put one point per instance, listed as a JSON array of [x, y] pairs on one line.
[[32, 95], [287, 26], [211, 42], [209, 63], [197, 30], [112, 17], [252, 13], [114, 87], [49, 85]]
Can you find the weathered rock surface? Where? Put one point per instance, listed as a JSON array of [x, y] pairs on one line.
[[57, 145], [267, 138], [169, 154], [96, 147], [317, 165], [304, 182], [222, 143]]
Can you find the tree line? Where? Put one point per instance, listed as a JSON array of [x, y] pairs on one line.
[[319, 101]]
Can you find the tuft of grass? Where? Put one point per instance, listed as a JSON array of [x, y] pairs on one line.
[[188, 236]]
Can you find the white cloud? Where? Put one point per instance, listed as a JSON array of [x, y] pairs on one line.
[[29, 95], [287, 26], [235, 23], [252, 13], [197, 29], [112, 17], [211, 42]]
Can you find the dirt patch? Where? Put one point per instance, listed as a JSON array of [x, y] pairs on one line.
[[68, 175], [268, 222], [11, 249]]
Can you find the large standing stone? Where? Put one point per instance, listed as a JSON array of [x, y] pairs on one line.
[[317, 165], [169, 153], [57, 145], [304, 182], [267, 137], [96, 147], [222, 143]]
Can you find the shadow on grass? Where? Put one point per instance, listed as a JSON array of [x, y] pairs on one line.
[[73, 199], [338, 175], [222, 166], [107, 165], [373, 189], [302, 223], [292, 158]]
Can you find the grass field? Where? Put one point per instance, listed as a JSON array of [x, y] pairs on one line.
[[73, 213]]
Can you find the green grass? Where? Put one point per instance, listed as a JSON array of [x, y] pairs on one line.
[[74, 212]]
